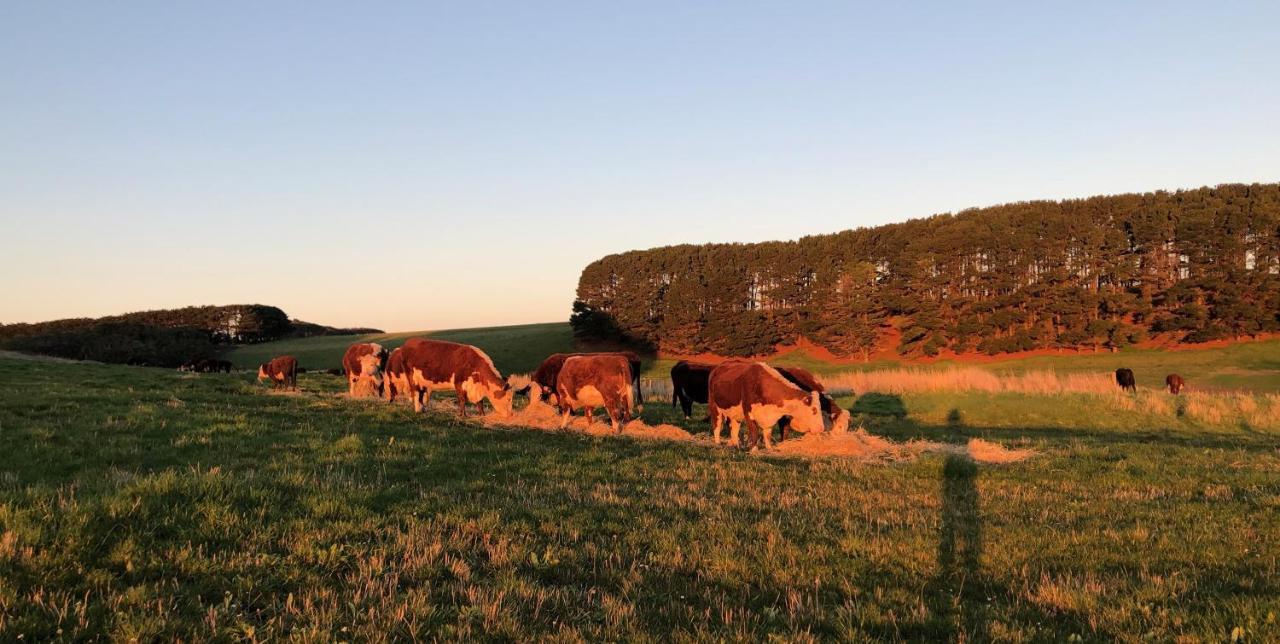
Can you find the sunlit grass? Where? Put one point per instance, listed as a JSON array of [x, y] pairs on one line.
[[140, 503]]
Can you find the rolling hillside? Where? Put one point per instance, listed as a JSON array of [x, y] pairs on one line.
[[513, 348], [1246, 366]]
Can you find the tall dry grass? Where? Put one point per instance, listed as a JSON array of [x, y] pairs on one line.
[[900, 381]]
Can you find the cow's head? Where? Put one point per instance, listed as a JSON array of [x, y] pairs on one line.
[[806, 413], [262, 371], [371, 366], [502, 396]]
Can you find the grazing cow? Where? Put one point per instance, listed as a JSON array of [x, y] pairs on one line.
[[596, 380], [545, 376], [1124, 378], [396, 377], [364, 363], [756, 393], [689, 384], [220, 366], [335, 372], [282, 371], [805, 380], [436, 364], [1175, 383]]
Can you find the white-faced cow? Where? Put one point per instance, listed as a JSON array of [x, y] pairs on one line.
[[364, 363], [436, 364], [757, 394], [281, 371], [596, 380]]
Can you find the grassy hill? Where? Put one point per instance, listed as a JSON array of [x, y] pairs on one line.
[[513, 348], [148, 504], [1249, 366]]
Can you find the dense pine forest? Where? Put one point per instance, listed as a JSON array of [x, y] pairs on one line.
[[1103, 272]]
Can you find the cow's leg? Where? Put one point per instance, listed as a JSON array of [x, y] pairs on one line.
[[462, 400], [686, 404], [734, 430], [416, 393], [766, 433], [714, 414], [587, 413], [564, 416]]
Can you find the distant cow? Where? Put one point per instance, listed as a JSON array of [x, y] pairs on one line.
[[396, 380], [757, 394], [1124, 378], [689, 384], [222, 366], [544, 377], [364, 362], [335, 372], [1175, 383], [206, 365], [281, 371], [436, 364], [599, 380]]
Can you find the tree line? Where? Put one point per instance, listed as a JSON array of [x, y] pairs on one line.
[[162, 337], [1102, 272]]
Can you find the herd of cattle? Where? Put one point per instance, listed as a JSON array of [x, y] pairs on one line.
[[735, 391]]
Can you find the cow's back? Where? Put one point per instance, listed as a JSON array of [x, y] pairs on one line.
[[609, 374], [282, 367], [549, 370], [735, 383], [442, 361]]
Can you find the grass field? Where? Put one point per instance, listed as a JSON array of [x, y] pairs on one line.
[[513, 348], [1252, 366], [147, 504]]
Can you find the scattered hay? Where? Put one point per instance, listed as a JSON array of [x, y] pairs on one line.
[[856, 444], [539, 415], [366, 387], [994, 453]]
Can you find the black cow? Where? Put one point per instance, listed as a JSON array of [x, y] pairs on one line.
[[689, 384], [1124, 378]]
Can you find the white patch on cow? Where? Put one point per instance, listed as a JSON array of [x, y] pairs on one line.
[[586, 396]]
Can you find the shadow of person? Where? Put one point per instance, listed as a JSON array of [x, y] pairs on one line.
[[874, 404], [960, 588]]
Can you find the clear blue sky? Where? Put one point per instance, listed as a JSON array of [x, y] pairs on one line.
[[417, 166]]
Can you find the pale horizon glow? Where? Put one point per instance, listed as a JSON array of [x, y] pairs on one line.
[[417, 167]]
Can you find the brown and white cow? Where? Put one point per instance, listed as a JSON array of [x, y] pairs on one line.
[[542, 381], [282, 371], [802, 378], [755, 393], [364, 363], [396, 377], [596, 380], [437, 364]]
